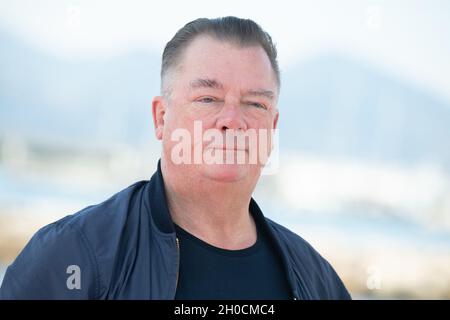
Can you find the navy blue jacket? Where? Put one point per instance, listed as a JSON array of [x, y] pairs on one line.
[[126, 248]]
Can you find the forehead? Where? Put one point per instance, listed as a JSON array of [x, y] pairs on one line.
[[207, 57]]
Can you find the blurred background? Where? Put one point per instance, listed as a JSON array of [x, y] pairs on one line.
[[364, 160]]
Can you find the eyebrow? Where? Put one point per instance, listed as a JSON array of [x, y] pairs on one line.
[[261, 93], [212, 83], [205, 83]]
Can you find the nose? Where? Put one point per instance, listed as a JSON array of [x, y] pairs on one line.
[[231, 117]]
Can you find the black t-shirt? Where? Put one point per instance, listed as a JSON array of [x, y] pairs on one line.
[[208, 272]]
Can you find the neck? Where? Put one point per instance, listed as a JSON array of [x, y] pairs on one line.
[[216, 212]]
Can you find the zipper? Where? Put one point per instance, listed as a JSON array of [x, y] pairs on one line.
[[177, 241], [284, 258]]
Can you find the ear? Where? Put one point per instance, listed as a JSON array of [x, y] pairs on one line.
[[275, 119], [158, 111]]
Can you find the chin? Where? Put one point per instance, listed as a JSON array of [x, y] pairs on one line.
[[226, 172]]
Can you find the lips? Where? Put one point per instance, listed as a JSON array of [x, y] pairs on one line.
[[226, 149]]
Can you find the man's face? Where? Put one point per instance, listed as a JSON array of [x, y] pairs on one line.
[[221, 88]]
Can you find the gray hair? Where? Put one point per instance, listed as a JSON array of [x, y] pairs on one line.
[[242, 32]]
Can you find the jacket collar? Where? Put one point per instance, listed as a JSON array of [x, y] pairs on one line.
[[158, 203]]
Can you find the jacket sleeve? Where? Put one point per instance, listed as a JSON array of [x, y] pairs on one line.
[[335, 287], [57, 263]]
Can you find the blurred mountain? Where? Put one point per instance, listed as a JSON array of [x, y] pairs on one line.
[[339, 107], [73, 103], [332, 106]]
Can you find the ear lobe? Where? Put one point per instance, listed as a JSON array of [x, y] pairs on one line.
[[158, 112]]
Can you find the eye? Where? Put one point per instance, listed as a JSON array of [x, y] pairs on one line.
[[206, 100], [257, 105]]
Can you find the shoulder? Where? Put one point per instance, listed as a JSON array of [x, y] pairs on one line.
[[96, 227], [42, 268], [116, 208], [309, 265], [292, 238], [81, 242], [298, 247]]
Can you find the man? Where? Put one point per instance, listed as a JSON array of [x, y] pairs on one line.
[[193, 231]]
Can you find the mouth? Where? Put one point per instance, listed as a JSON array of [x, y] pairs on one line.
[[227, 149]]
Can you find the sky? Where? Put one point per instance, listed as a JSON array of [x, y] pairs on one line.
[[407, 39]]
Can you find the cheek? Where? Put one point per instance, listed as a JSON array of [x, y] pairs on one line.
[[261, 122], [259, 118], [177, 123], [175, 118]]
